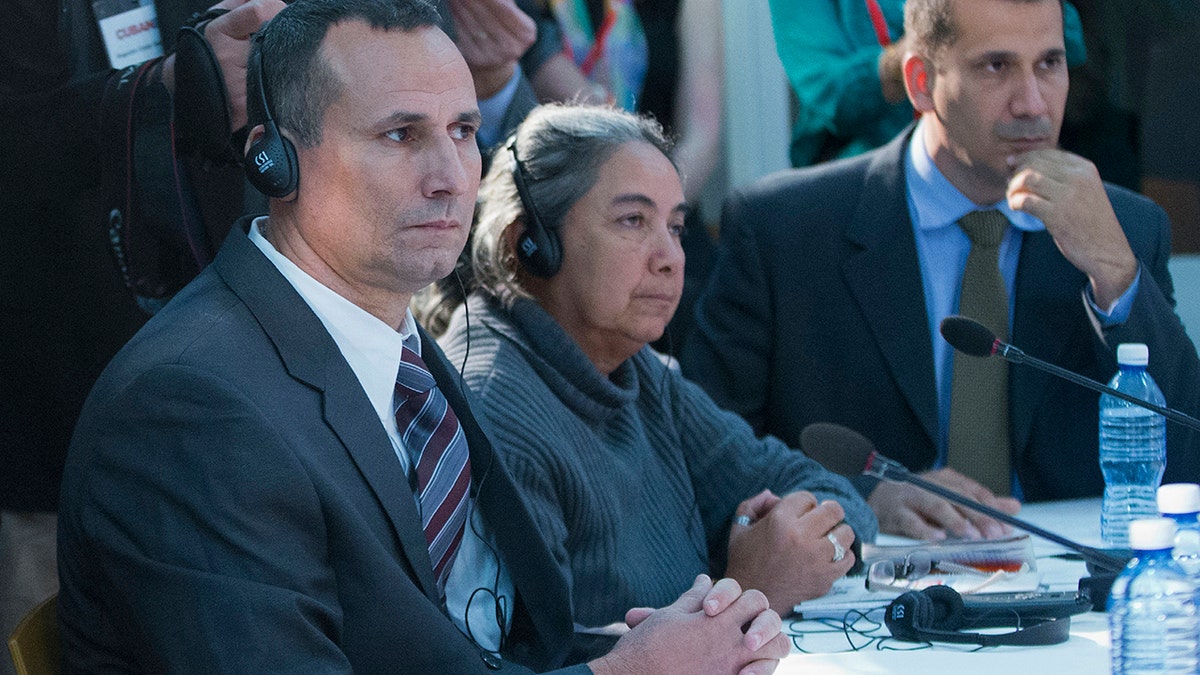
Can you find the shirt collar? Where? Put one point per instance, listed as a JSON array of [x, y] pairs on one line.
[[370, 346], [937, 203]]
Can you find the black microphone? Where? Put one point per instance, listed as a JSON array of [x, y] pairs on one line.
[[847, 452], [974, 339]]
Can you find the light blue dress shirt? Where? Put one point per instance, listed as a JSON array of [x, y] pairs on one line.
[[935, 207]]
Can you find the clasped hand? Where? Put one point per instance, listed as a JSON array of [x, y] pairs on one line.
[[712, 628], [786, 551]]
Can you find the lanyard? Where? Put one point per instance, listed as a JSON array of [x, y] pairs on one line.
[[880, 24]]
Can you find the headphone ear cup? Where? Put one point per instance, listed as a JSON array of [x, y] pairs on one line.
[[906, 614], [271, 165], [539, 249], [945, 608]]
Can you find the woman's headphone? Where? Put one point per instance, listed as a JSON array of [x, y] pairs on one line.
[[538, 248]]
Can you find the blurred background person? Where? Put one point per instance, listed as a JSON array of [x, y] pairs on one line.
[[842, 58]]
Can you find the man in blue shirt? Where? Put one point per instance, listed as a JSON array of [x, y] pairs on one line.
[[832, 281]]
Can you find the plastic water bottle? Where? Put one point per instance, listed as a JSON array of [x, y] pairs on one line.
[[1152, 611], [1133, 447], [1181, 502]]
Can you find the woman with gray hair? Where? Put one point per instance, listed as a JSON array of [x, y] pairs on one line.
[[636, 479]]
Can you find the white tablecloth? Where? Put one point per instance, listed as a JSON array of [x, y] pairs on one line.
[[829, 647]]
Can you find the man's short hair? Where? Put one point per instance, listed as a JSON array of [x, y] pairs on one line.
[[929, 24], [298, 84]]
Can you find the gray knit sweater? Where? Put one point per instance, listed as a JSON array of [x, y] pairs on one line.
[[632, 479]]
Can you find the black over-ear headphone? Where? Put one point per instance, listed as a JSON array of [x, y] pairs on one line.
[[936, 614], [271, 165], [538, 248]]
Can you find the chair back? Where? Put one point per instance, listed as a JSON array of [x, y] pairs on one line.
[[34, 644]]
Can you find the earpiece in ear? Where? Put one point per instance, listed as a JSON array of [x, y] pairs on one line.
[[538, 248], [270, 162]]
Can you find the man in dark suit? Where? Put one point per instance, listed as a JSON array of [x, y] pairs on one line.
[[832, 281], [249, 488], [93, 137]]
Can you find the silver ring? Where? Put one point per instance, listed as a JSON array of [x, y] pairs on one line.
[[742, 520], [839, 551]]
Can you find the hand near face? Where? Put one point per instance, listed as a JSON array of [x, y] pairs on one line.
[[909, 511], [1065, 192], [701, 632], [785, 551], [492, 35]]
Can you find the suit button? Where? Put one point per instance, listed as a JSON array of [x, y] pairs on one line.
[[492, 661]]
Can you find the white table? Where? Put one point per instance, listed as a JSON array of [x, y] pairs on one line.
[[1086, 652]]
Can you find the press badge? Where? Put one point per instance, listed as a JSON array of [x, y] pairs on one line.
[[129, 29]]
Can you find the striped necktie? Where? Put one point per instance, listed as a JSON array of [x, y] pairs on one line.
[[979, 440], [441, 464]]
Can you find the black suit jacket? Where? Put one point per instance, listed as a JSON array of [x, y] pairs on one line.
[[816, 313], [231, 503]]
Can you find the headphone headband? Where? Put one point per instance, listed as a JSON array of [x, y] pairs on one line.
[[538, 248], [256, 65], [271, 165]]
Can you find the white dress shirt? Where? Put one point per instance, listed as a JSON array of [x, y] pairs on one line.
[[372, 348]]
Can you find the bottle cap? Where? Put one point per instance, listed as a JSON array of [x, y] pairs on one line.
[[1179, 498], [1151, 534], [1133, 354]]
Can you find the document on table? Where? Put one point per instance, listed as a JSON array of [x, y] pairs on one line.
[[851, 593]]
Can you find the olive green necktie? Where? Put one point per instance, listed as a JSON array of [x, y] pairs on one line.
[[979, 445]]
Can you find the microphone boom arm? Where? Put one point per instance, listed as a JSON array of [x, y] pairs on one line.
[[1014, 355], [887, 469]]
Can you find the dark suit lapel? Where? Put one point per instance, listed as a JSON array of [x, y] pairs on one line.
[[311, 356], [884, 275], [349, 413], [540, 586], [1048, 311]]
